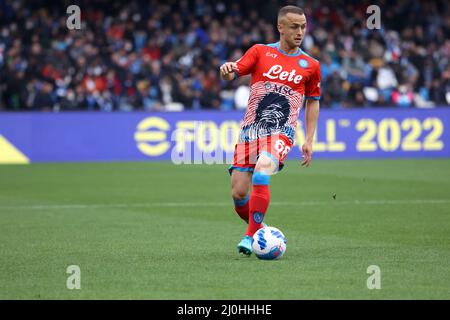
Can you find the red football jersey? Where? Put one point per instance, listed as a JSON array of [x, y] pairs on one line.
[[280, 83]]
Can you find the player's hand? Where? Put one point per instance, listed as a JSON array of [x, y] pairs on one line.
[[227, 70], [306, 154]]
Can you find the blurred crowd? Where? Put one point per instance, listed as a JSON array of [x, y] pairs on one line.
[[164, 55]]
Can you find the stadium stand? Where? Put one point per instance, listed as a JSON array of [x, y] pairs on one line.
[[164, 55]]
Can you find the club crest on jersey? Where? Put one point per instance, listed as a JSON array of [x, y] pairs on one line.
[[276, 72], [303, 63]]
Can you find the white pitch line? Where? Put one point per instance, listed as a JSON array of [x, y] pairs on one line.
[[221, 204]]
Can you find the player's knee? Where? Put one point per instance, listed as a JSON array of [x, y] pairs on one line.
[[239, 193], [266, 164], [260, 178]]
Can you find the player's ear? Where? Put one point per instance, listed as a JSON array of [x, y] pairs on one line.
[[280, 24], [280, 27]]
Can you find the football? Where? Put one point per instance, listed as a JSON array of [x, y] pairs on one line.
[[269, 243]]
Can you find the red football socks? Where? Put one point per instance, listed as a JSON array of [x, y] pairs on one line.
[[259, 202], [242, 208]]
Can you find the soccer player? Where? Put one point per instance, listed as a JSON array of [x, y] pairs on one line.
[[282, 78]]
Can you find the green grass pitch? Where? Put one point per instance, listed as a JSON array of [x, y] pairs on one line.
[[150, 230]]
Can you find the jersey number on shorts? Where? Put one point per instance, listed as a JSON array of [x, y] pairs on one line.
[[282, 148]]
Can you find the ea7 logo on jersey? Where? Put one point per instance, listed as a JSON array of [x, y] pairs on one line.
[[270, 54], [276, 72]]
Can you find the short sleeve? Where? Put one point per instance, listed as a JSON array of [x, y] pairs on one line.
[[246, 64], [312, 88]]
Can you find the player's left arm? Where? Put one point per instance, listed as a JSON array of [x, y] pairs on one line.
[[312, 96], [311, 117]]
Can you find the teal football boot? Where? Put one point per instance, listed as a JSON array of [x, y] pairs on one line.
[[245, 246]]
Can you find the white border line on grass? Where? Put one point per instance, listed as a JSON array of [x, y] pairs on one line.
[[221, 204]]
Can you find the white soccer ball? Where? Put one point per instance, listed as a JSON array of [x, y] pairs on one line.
[[269, 243]]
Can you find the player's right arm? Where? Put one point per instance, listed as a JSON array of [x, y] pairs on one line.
[[245, 65], [227, 71]]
